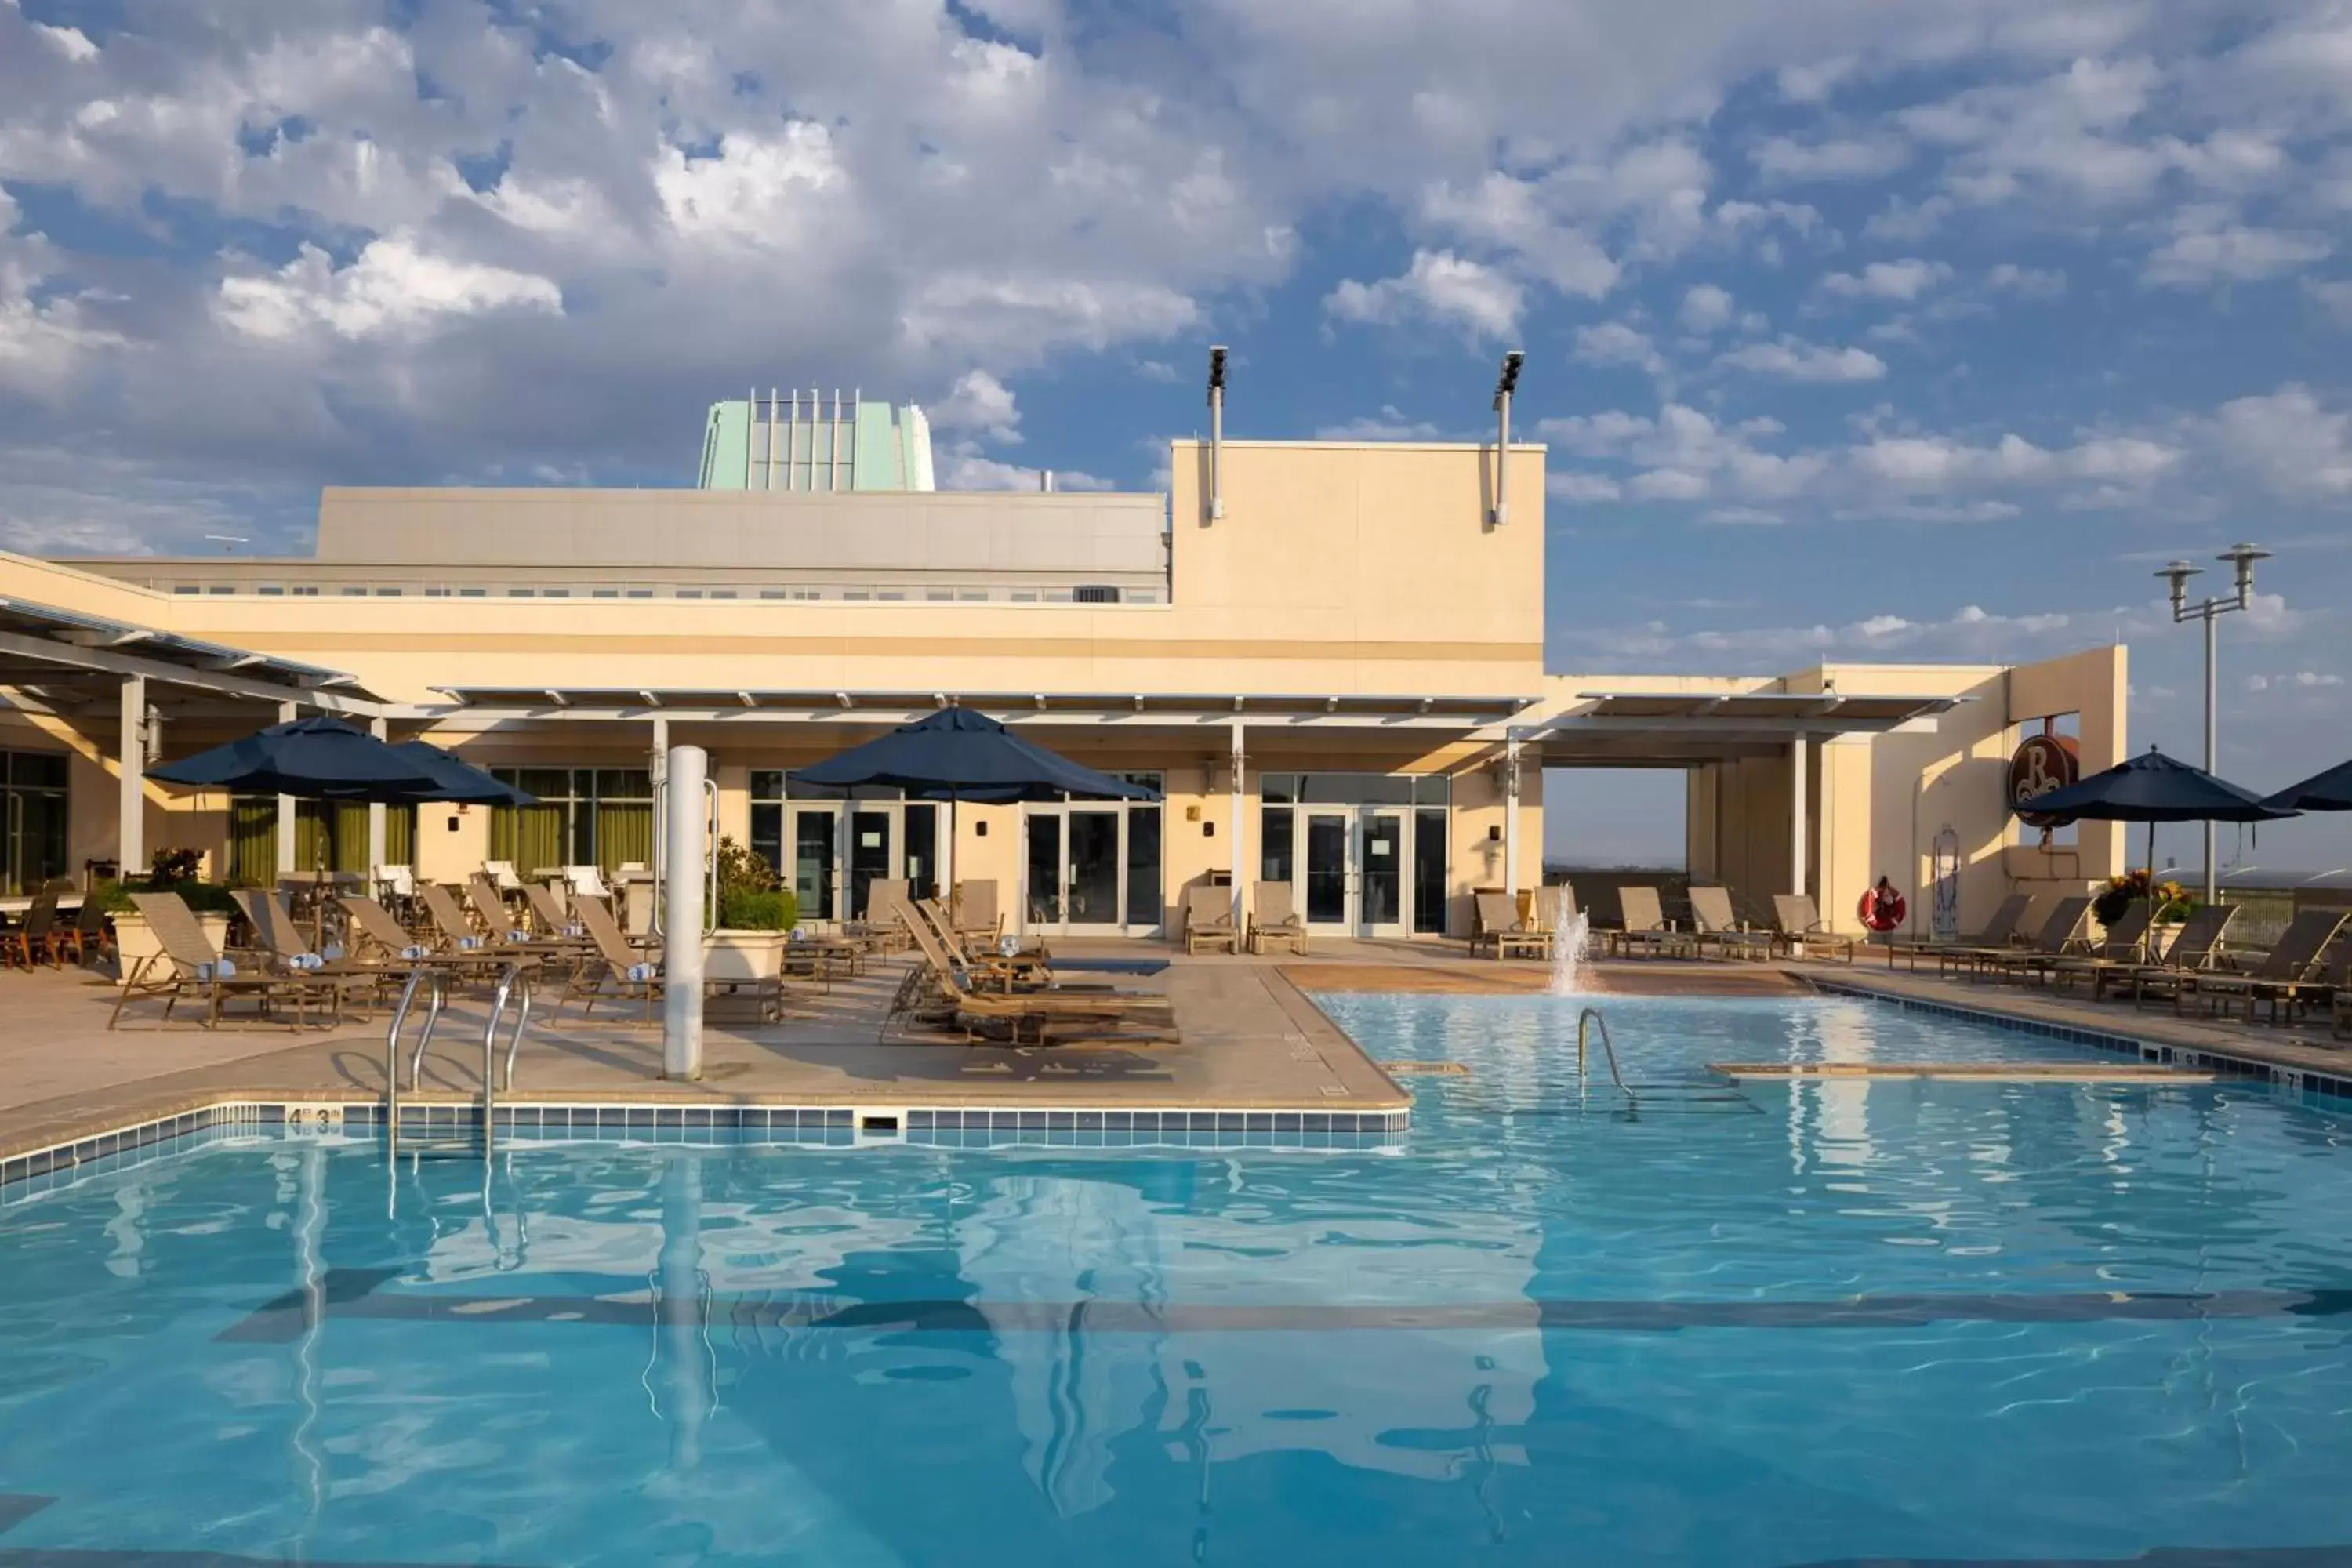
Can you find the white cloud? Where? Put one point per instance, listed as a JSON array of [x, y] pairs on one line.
[[2209, 246], [1741, 517], [70, 42], [391, 289], [1815, 82], [1439, 286], [1705, 309], [2335, 295], [2026, 282], [1389, 424], [1614, 342], [979, 402], [1935, 464], [1905, 280], [1570, 485], [1793, 359], [1903, 222], [967, 468], [1848, 159], [2290, 442]]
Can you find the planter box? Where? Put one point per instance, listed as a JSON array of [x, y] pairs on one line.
[[743, 976], [135, 943]]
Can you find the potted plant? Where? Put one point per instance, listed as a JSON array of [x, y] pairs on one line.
[[2171, 902], [756, 915]]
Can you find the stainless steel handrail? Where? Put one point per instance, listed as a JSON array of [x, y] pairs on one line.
[[509, 981], [419, 975], [1585, 1019], [440, 1000]]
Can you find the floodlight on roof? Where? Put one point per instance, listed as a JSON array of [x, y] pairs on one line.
[[1216, 431], [1505, 384]]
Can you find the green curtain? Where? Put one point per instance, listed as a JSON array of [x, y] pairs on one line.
[[529, 836], [624, 832], [252, 840]]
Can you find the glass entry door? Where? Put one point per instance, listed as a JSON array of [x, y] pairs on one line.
[[1355, 870], [1090, 870]]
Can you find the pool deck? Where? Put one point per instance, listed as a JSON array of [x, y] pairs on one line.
[[1248, 1037]]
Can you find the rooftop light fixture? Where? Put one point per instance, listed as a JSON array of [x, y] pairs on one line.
[[2176, 573], [1216, 431], [1505, 384]]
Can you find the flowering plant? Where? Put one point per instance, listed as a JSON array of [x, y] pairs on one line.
[[2171, 899]]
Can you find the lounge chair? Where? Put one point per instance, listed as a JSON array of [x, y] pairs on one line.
[[2061, 935], [636, 976], [1796, 923], [1714, 922], [2122, 948], [2195, 947], [510, 938], [548, 908], [502, 876], [2288, 976], [1273, 920], [1554, 909], [2343, 1025], [280, 936], [1031, 969], [1495, 924], [1036, 1010], [973, 908], [1209, 919], [187, 963], [1999, 933], [1643, 926], [31, 939], [887, 915], [586, 882]]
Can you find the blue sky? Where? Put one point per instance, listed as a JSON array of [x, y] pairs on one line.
[[1857, 330]]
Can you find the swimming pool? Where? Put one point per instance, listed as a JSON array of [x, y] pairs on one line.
[[1792, 1324]]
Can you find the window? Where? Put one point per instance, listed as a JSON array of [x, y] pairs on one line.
[[519, 593], [330, 833], [722, 593], [771, 593], [437, 593], [1024, 597], [940, 595], [348, 592], [222, 588], [269, 591], [555, 593], [638, 594], [1142, 596], [186, 588], [1095, 593], [306, 590], [387, 593], [890, 594], [472, 592], [32, 819], [689, 593], [585, 817], [855, 594], [972, 595], [603, 592], [808, 592]]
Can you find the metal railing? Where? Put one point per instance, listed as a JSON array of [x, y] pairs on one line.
[[433, 982], [514, 985], [1584, 1021], [514, 988]]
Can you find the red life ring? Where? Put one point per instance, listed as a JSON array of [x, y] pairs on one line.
[[1881, 916]]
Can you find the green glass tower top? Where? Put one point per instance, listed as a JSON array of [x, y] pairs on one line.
[[813, 442]]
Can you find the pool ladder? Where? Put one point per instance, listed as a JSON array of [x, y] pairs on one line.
[[1584, 1023], [432, 983]]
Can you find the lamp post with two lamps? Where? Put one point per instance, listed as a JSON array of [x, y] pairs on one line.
[[2242, 558]]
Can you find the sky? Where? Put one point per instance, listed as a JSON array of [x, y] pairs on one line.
[[1856, 330]]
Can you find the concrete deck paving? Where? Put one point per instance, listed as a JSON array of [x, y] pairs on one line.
[[1248, 1038]]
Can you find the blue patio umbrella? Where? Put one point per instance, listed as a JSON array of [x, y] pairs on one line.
[[2152, 788], [959, 754], [460, 781], [320, 758], [2330, 790]]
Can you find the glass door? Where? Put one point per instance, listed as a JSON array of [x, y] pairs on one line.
[[1380, 873], [1041, 904], [869, 855], [1092, 874], [815, 860], [1327, 869]]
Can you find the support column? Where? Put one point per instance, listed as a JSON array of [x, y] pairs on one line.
[[1233, 827], [287, 820], [378, 830], [685, 870], [1799, 757], [1511, 818], [131, 836]]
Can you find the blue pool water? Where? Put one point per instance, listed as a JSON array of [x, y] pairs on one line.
[[1919, 1321]]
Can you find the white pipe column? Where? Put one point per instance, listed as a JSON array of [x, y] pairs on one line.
[[1511, 817], [287, 820], [1233, 827], [660, 771], [378, 832], [1798, 748], [131, 836], [686, 839]]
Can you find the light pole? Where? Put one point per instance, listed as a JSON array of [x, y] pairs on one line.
[[2243, 557]]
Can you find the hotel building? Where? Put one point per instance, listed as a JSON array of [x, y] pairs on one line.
[[1330, 656]]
